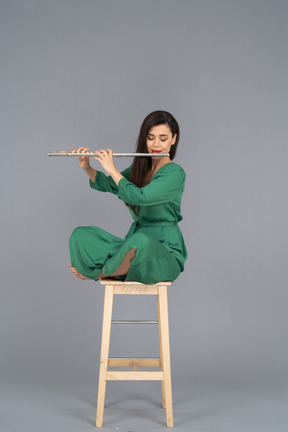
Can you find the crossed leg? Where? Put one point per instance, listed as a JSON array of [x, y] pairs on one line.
[[122, 269]]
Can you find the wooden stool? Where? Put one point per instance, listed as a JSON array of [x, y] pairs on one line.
[[163, 374]]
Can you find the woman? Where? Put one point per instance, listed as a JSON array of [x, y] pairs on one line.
[[152, 187]]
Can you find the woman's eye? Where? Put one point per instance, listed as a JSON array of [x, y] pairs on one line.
[[163, 140], [149, 138]]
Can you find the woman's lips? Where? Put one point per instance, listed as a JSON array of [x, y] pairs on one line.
[[156, 151]]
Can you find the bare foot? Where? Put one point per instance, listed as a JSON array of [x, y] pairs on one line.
[[77, 274]]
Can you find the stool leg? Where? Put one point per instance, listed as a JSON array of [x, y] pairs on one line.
[[106, 331], [164, 329], [161, 353]]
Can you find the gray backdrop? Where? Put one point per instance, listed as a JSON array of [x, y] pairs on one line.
[[87, 73]]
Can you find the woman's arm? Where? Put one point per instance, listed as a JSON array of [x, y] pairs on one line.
[[104, 183], [166, 185], [91, 172]]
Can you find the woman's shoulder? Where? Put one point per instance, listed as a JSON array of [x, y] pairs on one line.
[[173, 167]]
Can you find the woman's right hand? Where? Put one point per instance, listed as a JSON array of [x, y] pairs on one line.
[[83, 160]]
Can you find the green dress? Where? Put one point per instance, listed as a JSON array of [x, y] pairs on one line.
[[160, 247]]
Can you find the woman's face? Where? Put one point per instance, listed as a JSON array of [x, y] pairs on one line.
[[160, 139]]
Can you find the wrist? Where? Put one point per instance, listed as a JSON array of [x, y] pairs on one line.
[[91, 172], [116, 175], [113, 172]]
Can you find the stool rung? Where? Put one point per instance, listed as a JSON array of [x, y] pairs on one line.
[[136, 361], [134, 322], [134, 376]]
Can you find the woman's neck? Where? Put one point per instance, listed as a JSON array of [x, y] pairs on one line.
[[158, 163]]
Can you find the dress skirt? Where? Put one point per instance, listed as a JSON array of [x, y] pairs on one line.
[[92, 248]]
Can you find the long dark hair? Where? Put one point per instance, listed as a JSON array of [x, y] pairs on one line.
[[142, 165]]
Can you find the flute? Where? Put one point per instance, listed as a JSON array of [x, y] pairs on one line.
[[93, 154]]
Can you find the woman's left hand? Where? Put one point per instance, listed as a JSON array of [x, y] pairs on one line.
[[105, 157]]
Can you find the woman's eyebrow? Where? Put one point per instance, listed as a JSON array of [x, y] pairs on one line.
[[159, 135]]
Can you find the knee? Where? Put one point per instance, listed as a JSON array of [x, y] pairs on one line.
[[76, 234]]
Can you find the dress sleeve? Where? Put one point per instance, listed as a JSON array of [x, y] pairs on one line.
[[164, 187], [105, 183]]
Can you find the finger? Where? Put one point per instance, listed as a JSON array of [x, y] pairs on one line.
[[82, 150], [98, 157], [102, 155]]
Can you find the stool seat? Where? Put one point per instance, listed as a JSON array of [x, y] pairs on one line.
[[113, 286]]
